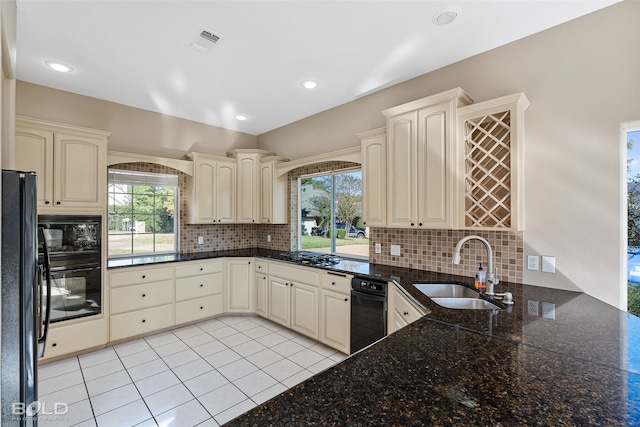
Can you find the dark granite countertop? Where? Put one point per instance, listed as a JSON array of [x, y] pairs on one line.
[[466, 367]]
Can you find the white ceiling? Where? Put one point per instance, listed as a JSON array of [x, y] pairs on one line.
[[137, 53]]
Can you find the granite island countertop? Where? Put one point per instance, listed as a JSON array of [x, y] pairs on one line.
[[467, 367]]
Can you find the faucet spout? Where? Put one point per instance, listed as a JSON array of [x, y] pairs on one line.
[[493, 276]]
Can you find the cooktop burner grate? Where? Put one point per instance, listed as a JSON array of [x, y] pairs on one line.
[[312, 258]]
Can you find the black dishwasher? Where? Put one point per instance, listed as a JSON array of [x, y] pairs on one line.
[[368, 312]]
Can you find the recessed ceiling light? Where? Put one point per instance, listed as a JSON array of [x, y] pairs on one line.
[[59, 67], [309, 84], [241, 117], [446, 16]]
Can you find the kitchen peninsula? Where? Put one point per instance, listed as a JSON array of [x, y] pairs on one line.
[[473, 367]]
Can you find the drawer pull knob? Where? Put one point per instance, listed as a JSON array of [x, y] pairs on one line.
[[259, 266], [46, 202], [57, 203], [144, 320], [144, 295], [201, 285], [413, 224], [406, 313], [144, 277], [201, 308], [54, 344], [333, 283], [420, 224], [346, 299], [200, 268]]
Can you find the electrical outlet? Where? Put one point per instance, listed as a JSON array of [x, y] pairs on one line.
[[200, 240], [532, 307], [549, 310], [532, 262], [378, 248], [395, 250], [548, 264]]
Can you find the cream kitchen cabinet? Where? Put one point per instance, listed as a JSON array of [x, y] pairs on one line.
[[262, 288], [374, 177], [400, 311], [240, 288], [71, 163], [69, 339], [199, 290], [141, 300], [335, 311], [212, 190], [490, 164], [273, 192], [294, 298], [247, 186], [420, 135]]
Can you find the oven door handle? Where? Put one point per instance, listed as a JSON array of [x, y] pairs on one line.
[[44, 324], [73, 270]]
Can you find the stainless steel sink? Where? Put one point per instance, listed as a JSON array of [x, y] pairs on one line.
[[452, 295], [466, 303], [446, 290]]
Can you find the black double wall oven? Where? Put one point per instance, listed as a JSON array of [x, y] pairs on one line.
[[75, 255]]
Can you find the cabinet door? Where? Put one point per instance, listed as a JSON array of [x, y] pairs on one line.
[[335, 324], [247, 188], [266, 193], [204, 192], [434, 157], [401, 186], [226, 192], [304, 309], [79, 179], [262, 295], [374, 178], [279, 301], [34, 152], [240, 286]]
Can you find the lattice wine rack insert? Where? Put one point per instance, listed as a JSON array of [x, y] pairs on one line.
[[488, 171]]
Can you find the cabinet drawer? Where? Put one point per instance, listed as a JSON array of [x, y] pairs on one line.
[[294, 274], [188, 311], [337, 283], [141, 296], [141, 322], [262, 267], [404, 308], [199, 286], [73, 338], [138, 276], [187, 269]]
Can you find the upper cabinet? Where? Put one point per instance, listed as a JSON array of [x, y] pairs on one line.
[[374, 177], [212, 190], [273, 192], [420, 160], [71, 163], [490, 164]]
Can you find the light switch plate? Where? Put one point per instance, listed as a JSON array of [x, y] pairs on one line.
[[200, 240], [395, 250], [549, 310], [378, 248], [268, 238], [548, 264], [532, 262]]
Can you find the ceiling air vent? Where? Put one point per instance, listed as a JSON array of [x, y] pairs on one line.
[[205, 40]]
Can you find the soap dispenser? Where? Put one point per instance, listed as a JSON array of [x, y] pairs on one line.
[[481, 279]]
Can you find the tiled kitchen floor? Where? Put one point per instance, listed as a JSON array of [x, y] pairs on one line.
[[200, 375]]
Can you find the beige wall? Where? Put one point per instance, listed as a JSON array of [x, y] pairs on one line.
[[582, 81], [132, 129]]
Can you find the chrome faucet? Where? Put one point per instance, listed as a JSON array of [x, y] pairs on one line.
[[492, 278]]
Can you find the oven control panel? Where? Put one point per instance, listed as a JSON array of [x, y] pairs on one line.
[[369, 286]]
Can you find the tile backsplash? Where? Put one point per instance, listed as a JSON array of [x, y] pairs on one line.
[[433, 250], [420, 249]]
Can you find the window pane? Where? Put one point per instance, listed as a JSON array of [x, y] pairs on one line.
[[315, 213], [138, 210], [351, 236]]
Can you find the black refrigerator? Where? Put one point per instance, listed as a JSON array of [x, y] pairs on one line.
[[23, 300]]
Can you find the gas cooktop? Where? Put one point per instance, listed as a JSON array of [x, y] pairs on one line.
[[312, 258]]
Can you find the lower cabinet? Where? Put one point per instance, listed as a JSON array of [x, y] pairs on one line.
[[335, 326], [240, 285], [262, 294], [304, 309], [199, 290], [401, 311], [294, 298], [141, 322], [69, 339]]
